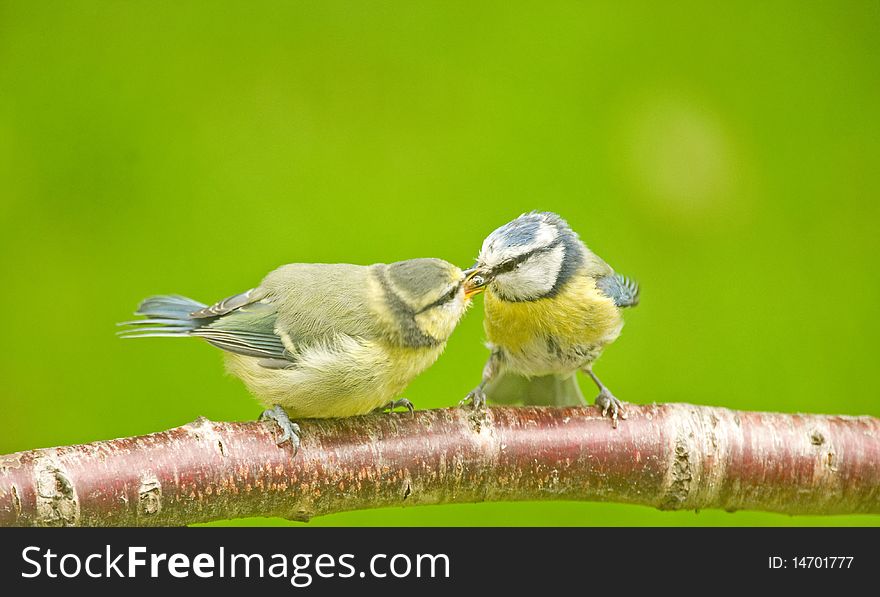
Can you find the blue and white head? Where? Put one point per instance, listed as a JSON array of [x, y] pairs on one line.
[[527, 259]]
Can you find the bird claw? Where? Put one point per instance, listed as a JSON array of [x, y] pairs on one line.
[[608, 403], [400, 402], [477, 397], [290, 431]]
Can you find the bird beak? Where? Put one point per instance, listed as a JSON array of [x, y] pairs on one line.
[[475, 281]]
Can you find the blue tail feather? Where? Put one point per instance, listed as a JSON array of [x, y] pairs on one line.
[[166, 315]]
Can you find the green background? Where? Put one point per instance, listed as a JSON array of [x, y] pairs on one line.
[[725, 156]]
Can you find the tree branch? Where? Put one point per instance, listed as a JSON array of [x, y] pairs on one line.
[[670, 456]]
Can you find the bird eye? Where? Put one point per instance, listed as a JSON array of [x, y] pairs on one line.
[[507, 266], [478, 281]]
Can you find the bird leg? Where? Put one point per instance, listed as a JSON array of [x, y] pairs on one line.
[[606, 401], [289, 429], [477, 396], [399, 403]]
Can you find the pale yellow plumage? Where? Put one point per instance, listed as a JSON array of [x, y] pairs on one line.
[[343, 378], [325, 340]]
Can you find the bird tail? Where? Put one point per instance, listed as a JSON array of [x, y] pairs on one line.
[[547, 390], [164, 316]]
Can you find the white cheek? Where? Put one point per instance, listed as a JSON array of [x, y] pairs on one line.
[[533, 278], [525, 284]]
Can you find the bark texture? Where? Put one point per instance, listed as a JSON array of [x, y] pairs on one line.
[[669, 456]]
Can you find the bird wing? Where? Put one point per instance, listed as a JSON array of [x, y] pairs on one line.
[[622, 290], [245, 325], [296, 307]]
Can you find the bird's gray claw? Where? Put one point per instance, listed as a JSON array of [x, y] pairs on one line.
[[289, 430], [400, 402], [608, 403], [476, 397]]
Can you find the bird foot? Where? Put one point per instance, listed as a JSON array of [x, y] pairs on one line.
[[290, 431], [610, 406], [399, 403], [477, 398]]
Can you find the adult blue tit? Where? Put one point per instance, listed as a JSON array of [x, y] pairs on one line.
[[323, 340], [551, 307]]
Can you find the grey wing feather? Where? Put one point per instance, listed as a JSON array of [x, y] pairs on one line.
[[248, 330], [275, 363], [228, 305], [622, 290], [247, 347]]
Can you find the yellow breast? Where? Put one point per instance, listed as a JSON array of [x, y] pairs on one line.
[[405, 364], [578, 315]]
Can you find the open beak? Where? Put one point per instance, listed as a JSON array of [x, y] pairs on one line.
[[475, 282]]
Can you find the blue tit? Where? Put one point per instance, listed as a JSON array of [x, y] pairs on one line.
[[551, 307], [323, 340]]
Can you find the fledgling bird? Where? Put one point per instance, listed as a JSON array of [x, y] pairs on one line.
[[323, 340], [551, 307]]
